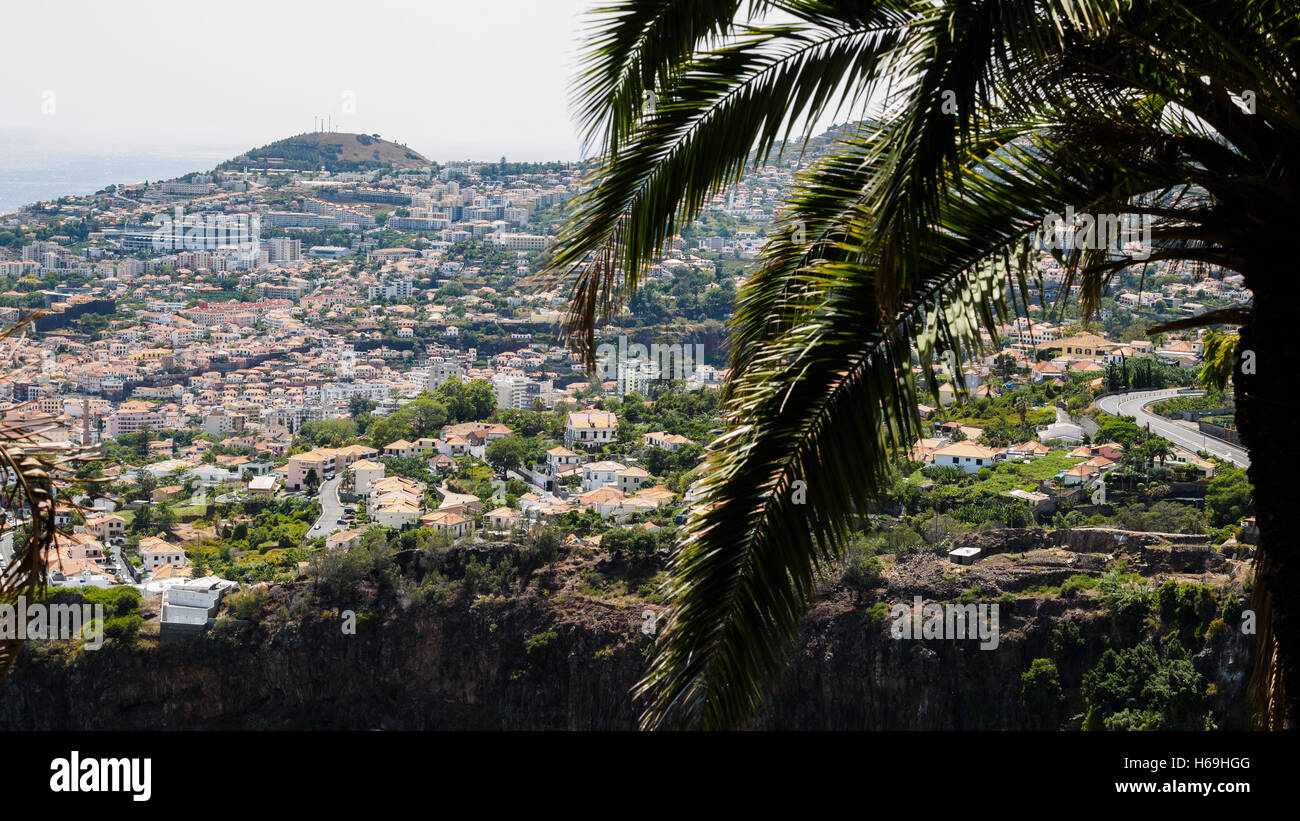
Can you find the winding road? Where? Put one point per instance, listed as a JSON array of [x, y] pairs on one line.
[[1134, 404], [331, 510]]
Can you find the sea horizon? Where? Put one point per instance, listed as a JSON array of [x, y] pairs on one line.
[[32, 172]]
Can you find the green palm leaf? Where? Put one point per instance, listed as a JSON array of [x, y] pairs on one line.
[[910, 240]]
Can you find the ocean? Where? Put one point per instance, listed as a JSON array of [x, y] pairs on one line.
[[30, 173]]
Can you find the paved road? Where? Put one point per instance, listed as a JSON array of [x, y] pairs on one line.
[[1134, 403], [127, 569], [331, 510]]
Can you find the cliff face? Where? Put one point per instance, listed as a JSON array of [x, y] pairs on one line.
[[418, 668], [847, 676], [563, 660]]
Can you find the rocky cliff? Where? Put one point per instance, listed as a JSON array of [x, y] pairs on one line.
[[558, 652]]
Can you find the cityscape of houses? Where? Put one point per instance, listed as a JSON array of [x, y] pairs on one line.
[[368, 291]]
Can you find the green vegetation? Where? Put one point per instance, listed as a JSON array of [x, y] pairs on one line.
[[426, 415], [1186, 611], [1041, 695], [1140, 689], [1146, 373], [1211, 399], [540, 641], [259, 539], [864, 572], [1127, 600], [636, 541], [1229, 498], [336, 152]]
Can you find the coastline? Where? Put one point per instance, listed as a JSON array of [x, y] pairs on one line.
[[29, 175]]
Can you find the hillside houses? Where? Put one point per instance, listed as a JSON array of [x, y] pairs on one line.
[[590, 429], [668, 441], [395, 501], [967, 456], [613, 474]]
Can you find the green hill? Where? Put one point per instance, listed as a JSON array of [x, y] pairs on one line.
[[335, 151]]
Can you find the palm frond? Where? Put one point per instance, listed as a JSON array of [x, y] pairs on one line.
[[725, 109], [33, 473], [827, 399], [632, 48], [905, 243]]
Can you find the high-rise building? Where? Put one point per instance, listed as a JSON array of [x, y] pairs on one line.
[[283, 249]]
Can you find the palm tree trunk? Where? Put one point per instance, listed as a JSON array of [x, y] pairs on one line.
[[1266, 419]]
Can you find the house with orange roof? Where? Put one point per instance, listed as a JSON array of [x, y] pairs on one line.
[[401, 449], [173, 571], [1079, 474], [63, 567], [667, 441], [1028, 450], [1087, 345], [502, 519], [364, 474], [156, 552], [659, 495], [968, 456], [453, 522], [106, 526], [1111, 450], [590, 428], [561, 458], [345, 539], [604, 500], [631, 479]]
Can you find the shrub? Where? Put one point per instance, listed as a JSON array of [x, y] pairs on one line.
[[863, 573], [124, 629], [540, 641], [1066, 640], [1079, 581], [1127, 600], [1232, 608], [1134, 689], [121, 600], [1186, 610], [247, 606], [1216, 627], [1041, 695], [876, 614]]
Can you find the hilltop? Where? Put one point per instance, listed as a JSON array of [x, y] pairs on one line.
[[337, 152]]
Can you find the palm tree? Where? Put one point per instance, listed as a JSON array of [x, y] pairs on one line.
[[914, 232], [1022, 406], [1157, 448]]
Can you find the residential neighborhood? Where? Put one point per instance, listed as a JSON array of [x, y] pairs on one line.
[[371, 362]]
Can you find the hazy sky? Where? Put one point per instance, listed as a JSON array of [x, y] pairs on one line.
[[454, 80]]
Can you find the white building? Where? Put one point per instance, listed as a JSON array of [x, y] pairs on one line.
[[590, 428], [968, 456]]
